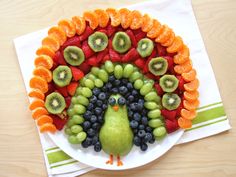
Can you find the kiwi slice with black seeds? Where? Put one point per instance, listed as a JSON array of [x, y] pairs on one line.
[[145, 47], [73, 55], [98, 41], [62, 76], [169, 83], [55, 103], [158, 66], [171, 101], [121, 42]]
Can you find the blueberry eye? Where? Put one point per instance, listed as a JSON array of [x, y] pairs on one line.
[[121, 101], [112, 101]]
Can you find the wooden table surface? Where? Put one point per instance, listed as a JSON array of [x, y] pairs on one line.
[[20, 149]]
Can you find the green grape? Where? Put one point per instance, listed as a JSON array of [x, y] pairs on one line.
[[152, 96], [91, 76], [118, 72], [82, 100], [79, 109], [103, 75], [98, 83], [82, 81], [154, 123], [159, 131], [134, 76], [74, 100], [95, 70], [73, 139], [138, 84], [86, 92], [76, 129], [151, 105], [153, 114], [68, 131], [78, 90], [109, 66], [146, 88], [71, 112], [128, 70], [70, 123], [89, 83], [77, 119], [81, 136]]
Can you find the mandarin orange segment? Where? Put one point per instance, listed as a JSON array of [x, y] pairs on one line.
[[184, 51], [191, 105], [68, 27], [44, 119], [43, 60], [183, 68], [48, 127], [43, 72], [125, 17], [176, 45], [51, 42], [136, 20], [192, 86], [39, 111], [58, 33], [180, 59], [36, 93], [38, 82], [45, 50], [191, 96], [114, 16], [155, 30], [79, 23], [164, 36], [189, 76], [36, 103], [92, 18], [103, 17], [147, 23], [184, 123], [190, 115], [171, 39]]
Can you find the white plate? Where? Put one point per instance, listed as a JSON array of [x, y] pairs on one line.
[[134, 159]]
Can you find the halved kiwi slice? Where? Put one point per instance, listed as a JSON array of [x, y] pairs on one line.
[[74, 55], [169, 83], [121, 42], [171, 101], [55, 103], [98, 41], [145, 47], [62, 76], [158, 66]]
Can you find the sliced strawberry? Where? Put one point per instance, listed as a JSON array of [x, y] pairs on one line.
[[77, 73], [178, 110], [103, 31], [130, 56], [170, 63], [105, 58], [161, 50], [59, 58], [87, 32], [171, 125], [137, 31], [140, 36], [51, 88], [151, 76], [85, 67], [158, 89], [62, 90], [101, 55], [110, 30], [181, 83], [92, 61], [88, 52], [171, 54], [71, 88], [58, 122], [114, 56], [171, 115], [132, 37], [68, 101], [74, 41], [140, 63]]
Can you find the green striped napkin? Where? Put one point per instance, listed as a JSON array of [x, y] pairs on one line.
[[178, 15]]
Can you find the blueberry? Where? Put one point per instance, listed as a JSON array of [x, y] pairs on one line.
[[104, 106], [98, 111], [124, 81], [149, 129], [144, 147], [137, 116], [108, 85], [137, 141], [144, 112], [147, 137], [99, 103], [100, 119], [93, 119], [91, 132], [97, 147], [90, 106], [129, 86], [87, 142], [152, 140], [93, 99], [130, 113], [121, 101], [112, 101], [86, 125], [135, 93], [133, 124], [135, 131], [141, 133], [139, 106], [87, 115], [96, 91], [117, 82], [111, 78], [114, 90], [94, 140], [102, 96], [133, 106], [123, 90], [144, 120], [96, 126], [141, 127], [130, 98], [140, 100]]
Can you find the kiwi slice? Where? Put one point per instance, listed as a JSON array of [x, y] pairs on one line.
[[145, 47], [55, 103], [121, 42], [171, 101], [98, 41], [74, 55], [62, 76], [169, 83], [158, 66]]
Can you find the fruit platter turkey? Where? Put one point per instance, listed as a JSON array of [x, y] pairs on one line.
[[113, 79]]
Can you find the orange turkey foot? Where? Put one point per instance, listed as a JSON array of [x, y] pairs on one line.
[[110, 161], [119, 162]]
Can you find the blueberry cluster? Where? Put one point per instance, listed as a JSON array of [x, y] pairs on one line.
[[98, 102]]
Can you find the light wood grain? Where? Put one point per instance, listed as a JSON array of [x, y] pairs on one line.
[[20, 149]]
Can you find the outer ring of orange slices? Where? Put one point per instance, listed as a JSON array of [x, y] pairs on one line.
[[162, 34]]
